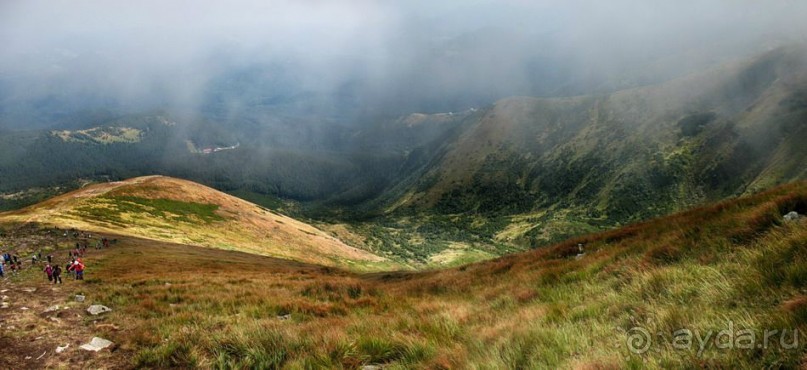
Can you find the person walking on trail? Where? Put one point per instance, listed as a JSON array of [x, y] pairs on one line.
[[49, 270], [78, 268], [57, 274], [2, 271]]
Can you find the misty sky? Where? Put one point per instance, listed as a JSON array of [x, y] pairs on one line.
[[395, 55]]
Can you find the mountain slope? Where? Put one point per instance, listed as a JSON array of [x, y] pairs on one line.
[[737, 266], [174, 210], [569, 165]]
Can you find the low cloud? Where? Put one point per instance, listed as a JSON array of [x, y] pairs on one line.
[[376, 57]]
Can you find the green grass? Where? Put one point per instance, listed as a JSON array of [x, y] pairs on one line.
[[112, 209]]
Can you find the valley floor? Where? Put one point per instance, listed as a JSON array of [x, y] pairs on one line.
[[625, 301]]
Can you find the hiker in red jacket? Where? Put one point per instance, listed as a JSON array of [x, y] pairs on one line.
[[78, 268]]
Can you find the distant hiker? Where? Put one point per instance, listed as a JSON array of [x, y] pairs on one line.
[[50, 258], [39, 256], [78, 268], [57, 274], [33, 260], [49, 271]]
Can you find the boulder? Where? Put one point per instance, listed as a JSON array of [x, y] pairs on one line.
[[60, 349], [97, 309], [97, 344], [791, 216]]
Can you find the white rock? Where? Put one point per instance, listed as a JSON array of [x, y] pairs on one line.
[[96, 344], [24, 308], [62, 349], [29, 290], [52, 308], [79, 298], [791, 216], [97, 309]]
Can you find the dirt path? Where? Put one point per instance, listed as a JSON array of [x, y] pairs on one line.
[[37, 317]]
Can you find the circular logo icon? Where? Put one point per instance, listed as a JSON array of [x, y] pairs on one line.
[[638, 340]]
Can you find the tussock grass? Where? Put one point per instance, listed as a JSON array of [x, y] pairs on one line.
[[734, 263]]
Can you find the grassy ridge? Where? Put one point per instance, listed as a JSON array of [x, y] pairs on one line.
[[180, 211], [736, 263]]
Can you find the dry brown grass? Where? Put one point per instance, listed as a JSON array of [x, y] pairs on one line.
[[181, 306]]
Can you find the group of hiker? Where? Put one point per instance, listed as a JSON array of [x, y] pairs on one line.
[[74, 267], [12, 261]]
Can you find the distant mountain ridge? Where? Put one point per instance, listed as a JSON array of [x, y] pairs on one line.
[[522, 172], [629, 155]]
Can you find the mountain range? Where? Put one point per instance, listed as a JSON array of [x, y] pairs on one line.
[[520, 173]]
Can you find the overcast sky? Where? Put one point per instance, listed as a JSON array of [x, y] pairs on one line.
[[458, 51]]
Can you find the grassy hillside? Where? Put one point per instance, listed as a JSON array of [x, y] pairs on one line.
[[442, 188], [539, 170], [735, 266], [168, 209]]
